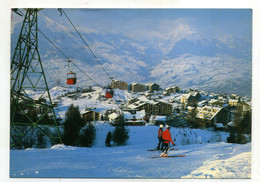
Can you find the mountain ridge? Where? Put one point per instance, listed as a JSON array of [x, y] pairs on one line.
[[143, 61]]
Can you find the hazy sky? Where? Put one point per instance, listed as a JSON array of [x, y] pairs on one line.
[[148, 23]]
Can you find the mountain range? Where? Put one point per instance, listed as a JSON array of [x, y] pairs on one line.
[[183, 57]]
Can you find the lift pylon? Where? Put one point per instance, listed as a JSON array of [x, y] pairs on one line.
[[31, 114]]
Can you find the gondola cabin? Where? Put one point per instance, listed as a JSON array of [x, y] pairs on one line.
[[109, 92], [71, 78]]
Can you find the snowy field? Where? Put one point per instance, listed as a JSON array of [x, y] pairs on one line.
[[207, 156]]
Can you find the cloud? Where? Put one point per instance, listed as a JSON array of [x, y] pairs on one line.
[[15, 20], [150, 29]]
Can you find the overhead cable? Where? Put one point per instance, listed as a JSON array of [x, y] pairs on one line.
[[86, 43]]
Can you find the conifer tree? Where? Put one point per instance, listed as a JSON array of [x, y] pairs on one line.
[[72, 126], [120, 134], [108, 139], [88, 136]]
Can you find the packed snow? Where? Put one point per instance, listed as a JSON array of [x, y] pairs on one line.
[[207, 156]]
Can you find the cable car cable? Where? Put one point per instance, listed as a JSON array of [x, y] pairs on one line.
[[85, 43], [22, 14], [68, 58]]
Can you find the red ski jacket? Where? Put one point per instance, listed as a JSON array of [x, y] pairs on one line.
[[167, 138]]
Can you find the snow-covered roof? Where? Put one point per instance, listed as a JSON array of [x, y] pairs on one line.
[[213, 100], [136, 105], [212, 111], [138, 115], [233, 100], [201, 103], [249, 103], [113, 116], [143, 98], [158, 118], [190, 108], [150, 84], [128, 115], [137, 121]]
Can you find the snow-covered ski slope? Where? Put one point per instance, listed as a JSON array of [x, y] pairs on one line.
[[205, 158]]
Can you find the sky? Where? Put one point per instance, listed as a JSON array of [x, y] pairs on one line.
[[148, 23]]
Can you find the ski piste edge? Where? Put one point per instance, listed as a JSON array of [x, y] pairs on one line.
[[160, 150], [170, 156]]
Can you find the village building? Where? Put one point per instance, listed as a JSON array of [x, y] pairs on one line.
[[135, 119], [154, 119], [190, 98], [90, 115], [173, 89], [136, 87], [152, 87], [214, 114], [119, 84], [234, 96], [113, 117], [151, 107], [190, 108], [40, 109], [163, 108], [202, 103], [245, 107], [132, 100], [87, 89], [233, 102]]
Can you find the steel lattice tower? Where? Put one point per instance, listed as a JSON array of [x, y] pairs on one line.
[[30, 115]]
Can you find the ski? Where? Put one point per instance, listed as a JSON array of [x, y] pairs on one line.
[[170, 156], [160, 150]]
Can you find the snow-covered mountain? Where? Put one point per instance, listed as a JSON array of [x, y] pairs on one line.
[[183, 57]]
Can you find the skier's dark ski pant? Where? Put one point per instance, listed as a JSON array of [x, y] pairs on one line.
[[166, 147], [160, 144]]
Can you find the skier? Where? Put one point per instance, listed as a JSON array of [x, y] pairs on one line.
[[160, 144], [167, 138]]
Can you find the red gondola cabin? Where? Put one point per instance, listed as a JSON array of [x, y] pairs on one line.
[[71, 78], [109, 92]]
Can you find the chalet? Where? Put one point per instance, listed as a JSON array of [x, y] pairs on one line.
[[214, 114], [135, 119], [90, 115], [173, 89], [113, 116], [152, 87], [190, 98], [233, 102]]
